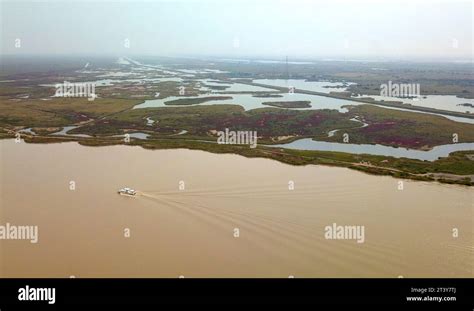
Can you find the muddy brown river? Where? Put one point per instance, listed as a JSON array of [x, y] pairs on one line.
[[199, 214]]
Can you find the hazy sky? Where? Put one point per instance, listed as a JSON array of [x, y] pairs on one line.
[[299, 29]]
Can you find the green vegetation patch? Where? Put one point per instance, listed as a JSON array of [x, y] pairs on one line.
[[289, 104], [195, 101]]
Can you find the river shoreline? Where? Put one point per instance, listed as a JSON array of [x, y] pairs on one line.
[[371, 164]]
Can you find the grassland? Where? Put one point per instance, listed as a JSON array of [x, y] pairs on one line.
[[58, 111], [289, 104], [404, 129], [195, 101], [104, 117], [114, 116], [267, 95]]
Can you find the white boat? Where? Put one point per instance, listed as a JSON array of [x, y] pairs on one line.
[[127, 191]]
